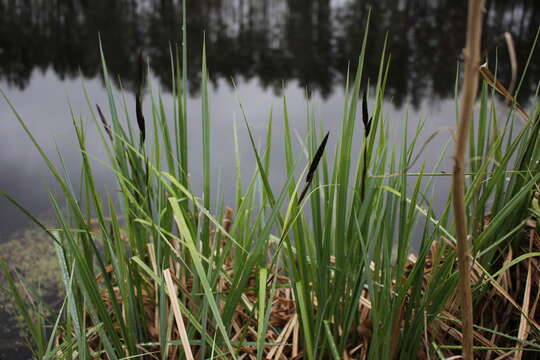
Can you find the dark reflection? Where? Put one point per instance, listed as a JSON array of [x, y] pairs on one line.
[[274, 41]]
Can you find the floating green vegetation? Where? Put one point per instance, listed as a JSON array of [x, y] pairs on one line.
[[30, 255]]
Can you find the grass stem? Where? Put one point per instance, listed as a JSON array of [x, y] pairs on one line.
[[470, 86]]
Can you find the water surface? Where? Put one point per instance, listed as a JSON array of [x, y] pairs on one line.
[[48, 48]]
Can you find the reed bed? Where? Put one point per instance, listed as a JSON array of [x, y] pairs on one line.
[[320, 267]]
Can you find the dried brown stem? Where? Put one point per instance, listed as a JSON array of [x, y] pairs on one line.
[[470, 86]]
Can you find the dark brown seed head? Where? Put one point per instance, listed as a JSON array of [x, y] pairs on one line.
[[104, 122], [138, 97], [317, 158], [140, 117], [366, 119], [314, 163]]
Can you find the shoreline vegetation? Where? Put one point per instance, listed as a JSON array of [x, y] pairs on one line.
[[320, 267]]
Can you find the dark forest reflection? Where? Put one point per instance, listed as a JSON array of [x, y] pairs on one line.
[[274, 41]]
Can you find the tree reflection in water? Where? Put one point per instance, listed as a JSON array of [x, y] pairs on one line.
[[275, 41]]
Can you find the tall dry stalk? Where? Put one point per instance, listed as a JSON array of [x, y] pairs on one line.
[[470, 86]]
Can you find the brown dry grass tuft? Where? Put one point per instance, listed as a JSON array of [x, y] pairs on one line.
[[507, 304]]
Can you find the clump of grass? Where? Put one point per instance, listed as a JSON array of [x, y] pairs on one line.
[[163, 273]]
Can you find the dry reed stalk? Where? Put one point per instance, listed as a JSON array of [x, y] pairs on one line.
[[497, 85], [296, 335], [177, 314], [523, 331], [275, 352], [513, 59], [470, 86]]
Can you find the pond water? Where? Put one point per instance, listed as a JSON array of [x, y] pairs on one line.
[[299, 48]]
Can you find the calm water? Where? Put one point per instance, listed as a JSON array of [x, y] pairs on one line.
[[297, 47], [47, 48]]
